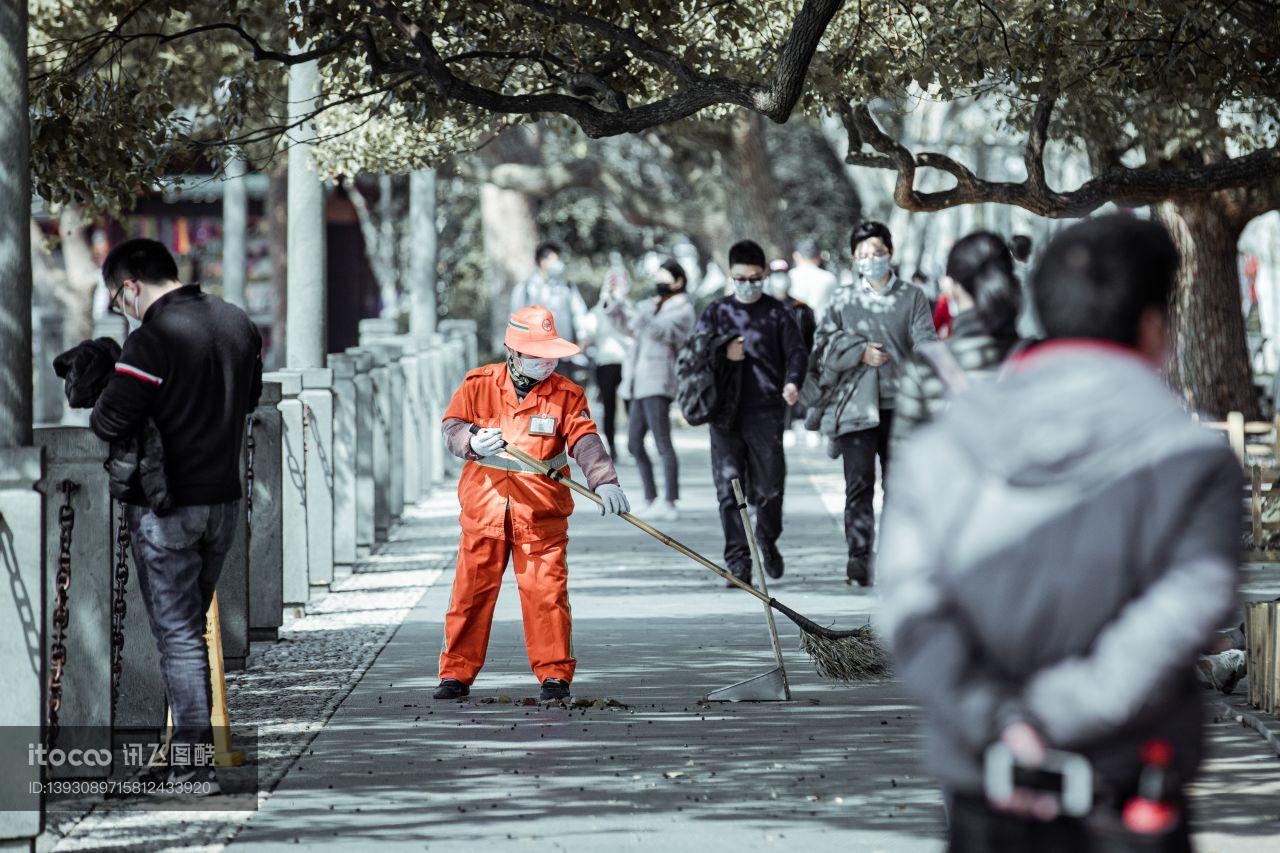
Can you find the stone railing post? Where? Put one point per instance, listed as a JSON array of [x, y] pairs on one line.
[[293, 493], [344, 462], [23, 642], [366, 483], [264, 519], [381, 426], [75, 455], [317, 400]]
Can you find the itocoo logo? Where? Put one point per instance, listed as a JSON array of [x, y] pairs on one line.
[[45, 757]]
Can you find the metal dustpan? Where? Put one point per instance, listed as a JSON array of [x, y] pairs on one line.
[[769, 687]]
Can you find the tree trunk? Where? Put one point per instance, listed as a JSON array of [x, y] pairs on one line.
[[1210, 356], [16, 389], [82, 276], [752, 189], [510, 238], [509, 221]]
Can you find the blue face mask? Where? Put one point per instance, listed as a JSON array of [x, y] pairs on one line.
[[874, 268], [748, 291]]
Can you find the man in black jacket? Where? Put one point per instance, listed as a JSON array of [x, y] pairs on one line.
[[764, 337], [194, 366]]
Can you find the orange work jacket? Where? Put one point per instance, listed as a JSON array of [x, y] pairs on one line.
[[547, 425]]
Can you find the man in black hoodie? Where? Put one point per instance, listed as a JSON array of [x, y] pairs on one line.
[[764, 337], [193, 365]]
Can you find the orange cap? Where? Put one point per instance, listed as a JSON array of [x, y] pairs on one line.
[[532, 331]]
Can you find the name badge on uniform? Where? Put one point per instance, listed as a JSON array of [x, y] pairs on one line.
[[542, 425]]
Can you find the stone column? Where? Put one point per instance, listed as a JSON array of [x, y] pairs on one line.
[[75, 454], [317, 399], [266, 546], [306, 323], [344, 462], [50, 398], [235, 231], [293, 492], [422, 255]]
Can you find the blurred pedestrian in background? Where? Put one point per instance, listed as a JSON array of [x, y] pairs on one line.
[[779, 286], [661, 324], [606, 343], [1028, 326], [986, 296], [810, 283], [1053, 588], [547, 286], [871, 326]]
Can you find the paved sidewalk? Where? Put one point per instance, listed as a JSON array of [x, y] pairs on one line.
[[355, 752], [837, 769], [288, 691]]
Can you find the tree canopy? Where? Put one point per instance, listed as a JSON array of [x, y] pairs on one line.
[[1168, 97]]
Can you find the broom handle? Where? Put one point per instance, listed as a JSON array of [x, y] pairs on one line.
[[542, 468], [749, 529]]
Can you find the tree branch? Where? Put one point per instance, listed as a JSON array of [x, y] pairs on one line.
[[1118, 184], [774, 100]]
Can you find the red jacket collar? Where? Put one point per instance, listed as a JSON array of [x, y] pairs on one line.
[[1067, 346]]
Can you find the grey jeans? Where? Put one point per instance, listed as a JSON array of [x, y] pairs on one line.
[[179, 556]]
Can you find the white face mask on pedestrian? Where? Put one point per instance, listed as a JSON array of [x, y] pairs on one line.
[[534, 369], [130, 308], [748, 290], [873, 268]]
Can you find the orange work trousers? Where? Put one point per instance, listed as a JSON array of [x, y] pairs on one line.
[[542, 575]]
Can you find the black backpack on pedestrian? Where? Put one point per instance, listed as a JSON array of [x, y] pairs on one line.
[[708, 385]]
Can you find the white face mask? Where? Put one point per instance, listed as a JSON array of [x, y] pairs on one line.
[[555, 267], [748, 291], [874, 268], [778, 285], [536, 369]]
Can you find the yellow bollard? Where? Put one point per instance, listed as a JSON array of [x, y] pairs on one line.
[[223, 754]]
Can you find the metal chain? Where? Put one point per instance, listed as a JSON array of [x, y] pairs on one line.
[[61, 614], [118, 607], [248, 470], [306, 431]]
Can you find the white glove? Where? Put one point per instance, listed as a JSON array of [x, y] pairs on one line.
[[487, 441], [615, 500]]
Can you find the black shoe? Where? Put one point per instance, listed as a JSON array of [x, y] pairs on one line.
[[452, 688], [745, 577], [554, 690], [771, 557], [856, 571]]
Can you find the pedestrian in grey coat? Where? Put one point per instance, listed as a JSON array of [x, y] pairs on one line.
[[871, 327], [660, 324], [1059, 545]]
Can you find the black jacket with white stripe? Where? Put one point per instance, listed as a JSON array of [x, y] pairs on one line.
[[195, 367]]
